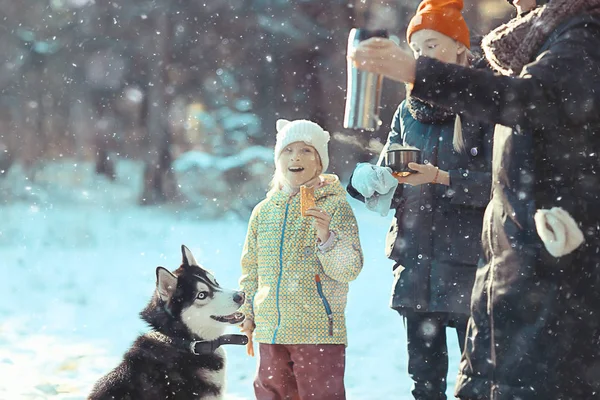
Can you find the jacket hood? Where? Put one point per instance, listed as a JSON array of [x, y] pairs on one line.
[[331, 187]]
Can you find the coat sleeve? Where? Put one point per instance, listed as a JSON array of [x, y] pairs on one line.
[[343, 261], [560, 88], [395, 136], [472, 187], [249, 278]]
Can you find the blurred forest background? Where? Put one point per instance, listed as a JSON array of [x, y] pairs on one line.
[[187, 91]]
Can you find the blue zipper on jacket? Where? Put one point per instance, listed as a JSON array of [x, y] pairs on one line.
[[287, 206], [325, 303]]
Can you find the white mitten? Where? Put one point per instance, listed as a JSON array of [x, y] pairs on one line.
[[377, 185], [362, 179], [558, 230], [369, 179]]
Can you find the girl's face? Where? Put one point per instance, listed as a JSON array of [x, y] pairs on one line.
[[430, 43], [299, 163]]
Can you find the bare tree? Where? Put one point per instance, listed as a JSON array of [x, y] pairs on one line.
[[159, 184]]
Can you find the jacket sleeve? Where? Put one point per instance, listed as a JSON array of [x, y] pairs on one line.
[[395, 136], [561, 87], [472, 187], [249, 278], [343, 260]]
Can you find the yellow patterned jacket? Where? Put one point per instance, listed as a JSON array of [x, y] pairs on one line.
[[295, 292]]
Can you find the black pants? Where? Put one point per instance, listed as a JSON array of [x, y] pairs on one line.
[[428, 352]]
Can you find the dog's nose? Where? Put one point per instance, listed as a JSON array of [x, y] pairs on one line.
[[239, 297]]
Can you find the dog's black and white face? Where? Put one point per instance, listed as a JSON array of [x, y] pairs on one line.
[[204, 307]]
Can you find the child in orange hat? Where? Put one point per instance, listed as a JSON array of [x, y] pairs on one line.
[[443, 16], [434, 238]]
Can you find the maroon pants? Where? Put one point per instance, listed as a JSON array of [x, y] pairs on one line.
[[300, 372]]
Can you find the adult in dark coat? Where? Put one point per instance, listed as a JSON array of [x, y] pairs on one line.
[[535, 326], [434, 236]]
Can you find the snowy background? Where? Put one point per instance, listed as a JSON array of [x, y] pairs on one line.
[[78, 260], [190, 91]]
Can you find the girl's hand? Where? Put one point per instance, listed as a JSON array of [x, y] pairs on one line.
[[425, 173], [247, 329], [321, 222], [383, 56], [248, 326]]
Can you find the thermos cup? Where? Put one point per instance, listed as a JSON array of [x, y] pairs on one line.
[[363, 91]]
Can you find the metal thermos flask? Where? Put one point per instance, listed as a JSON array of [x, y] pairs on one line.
[[363, 91]]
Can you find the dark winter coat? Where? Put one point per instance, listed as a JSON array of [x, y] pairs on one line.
[[434, 236], [535, 327]]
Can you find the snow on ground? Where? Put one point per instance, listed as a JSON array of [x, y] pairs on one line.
[[76, 271]]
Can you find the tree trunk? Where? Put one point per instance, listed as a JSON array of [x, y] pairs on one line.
[[159, 181], [30, 120]]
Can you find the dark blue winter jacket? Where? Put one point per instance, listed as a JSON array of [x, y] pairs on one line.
[[434, 237]]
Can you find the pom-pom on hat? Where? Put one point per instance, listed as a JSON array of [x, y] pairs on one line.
[[302, 130], [443, 16]]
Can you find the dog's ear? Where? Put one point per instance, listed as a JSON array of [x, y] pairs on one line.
[[187, 257], [166, 283]]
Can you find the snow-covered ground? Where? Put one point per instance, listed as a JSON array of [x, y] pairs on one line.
[[77, 269]]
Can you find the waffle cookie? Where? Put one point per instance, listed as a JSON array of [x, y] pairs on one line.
[[307, 199]]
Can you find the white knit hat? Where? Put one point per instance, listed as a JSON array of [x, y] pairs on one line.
[[305, 131]]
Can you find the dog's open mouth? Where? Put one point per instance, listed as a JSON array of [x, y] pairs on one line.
[[234, 318]]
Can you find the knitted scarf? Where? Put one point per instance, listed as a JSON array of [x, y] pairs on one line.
[[427, 113], [513, 45]]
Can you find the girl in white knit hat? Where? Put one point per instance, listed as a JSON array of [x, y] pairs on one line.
[[296, 269]]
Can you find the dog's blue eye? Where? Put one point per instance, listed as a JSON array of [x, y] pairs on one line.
[[202, 295]]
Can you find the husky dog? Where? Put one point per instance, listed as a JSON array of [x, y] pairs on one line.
[[180, 358]]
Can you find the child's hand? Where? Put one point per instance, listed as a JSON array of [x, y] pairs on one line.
[[425, 173], [321, 222], [248, 328]]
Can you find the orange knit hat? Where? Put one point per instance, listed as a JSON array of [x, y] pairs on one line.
[[443, 16]]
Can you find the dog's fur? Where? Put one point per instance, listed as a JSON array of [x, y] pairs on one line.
[[187, 305]]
